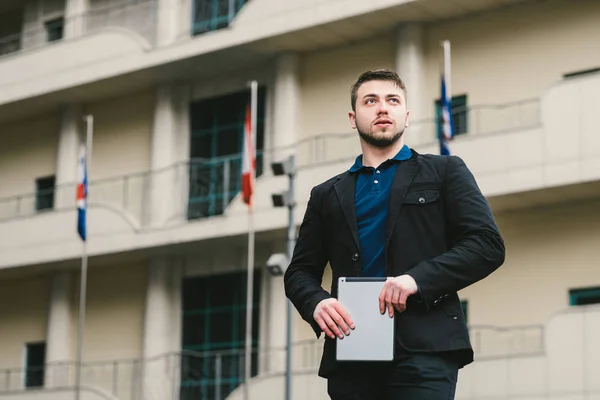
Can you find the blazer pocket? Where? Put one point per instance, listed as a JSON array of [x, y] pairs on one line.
[[422, 197]]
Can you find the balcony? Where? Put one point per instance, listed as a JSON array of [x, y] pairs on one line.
[[521, 153], [558, 360], [206, 188], [132, 15], [219, 374]]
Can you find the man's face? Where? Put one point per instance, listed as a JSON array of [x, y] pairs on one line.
[[381, 114]]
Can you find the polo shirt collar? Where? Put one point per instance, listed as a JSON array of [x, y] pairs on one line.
[[404, 154]]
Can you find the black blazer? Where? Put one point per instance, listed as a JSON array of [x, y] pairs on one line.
[[440, 230]]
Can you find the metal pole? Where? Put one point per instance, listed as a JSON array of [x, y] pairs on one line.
[[447, 67], [251, 243], [84, 266], [290, 250]]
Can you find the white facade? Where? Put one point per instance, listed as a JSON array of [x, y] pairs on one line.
[[530, 139]]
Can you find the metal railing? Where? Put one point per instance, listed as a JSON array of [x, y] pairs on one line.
[[476, 120], [138, 16], [214, 375], [493, 341], [204, 188]]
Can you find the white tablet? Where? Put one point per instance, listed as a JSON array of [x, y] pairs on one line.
[[373, 336]]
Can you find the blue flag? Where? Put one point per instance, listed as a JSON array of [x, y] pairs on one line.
[[447, 125]]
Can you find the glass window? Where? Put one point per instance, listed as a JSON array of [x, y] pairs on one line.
[[35, 364], [584, 296]]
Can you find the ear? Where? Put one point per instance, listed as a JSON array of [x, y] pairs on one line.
[[406, 120], [352, 117]]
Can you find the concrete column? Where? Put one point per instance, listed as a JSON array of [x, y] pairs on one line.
[[169, 22], [32, 27], [71, 129], [59, 337], [169, 156], [162, 329], [276, 313], [410, 65], [75, 18], [286, 105]]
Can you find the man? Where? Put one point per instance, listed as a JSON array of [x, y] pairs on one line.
[[419, 220]]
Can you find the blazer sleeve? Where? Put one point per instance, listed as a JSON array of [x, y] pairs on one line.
[[304, 275], [477, 246]]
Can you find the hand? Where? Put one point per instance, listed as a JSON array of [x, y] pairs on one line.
[[395, 292], [333, 318]]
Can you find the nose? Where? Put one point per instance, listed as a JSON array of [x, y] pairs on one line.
[[382, 109]]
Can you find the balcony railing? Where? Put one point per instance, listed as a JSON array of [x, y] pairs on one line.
[[493, 341], [205, 187], [138, 16], [214, 375]]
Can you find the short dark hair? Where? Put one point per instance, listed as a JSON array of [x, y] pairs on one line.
[[375, 75]]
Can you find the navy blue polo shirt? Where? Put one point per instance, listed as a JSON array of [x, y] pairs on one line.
[[372, 203]]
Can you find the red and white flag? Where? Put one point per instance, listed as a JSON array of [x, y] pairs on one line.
[[248, 160]]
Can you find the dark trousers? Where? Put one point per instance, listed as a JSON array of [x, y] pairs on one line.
[[411, 377]]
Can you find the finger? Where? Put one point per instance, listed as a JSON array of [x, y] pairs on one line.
[[402, 301], [345, 316], [339, 321], [323, 325], [332, 325], [388, 301], [382, 299], [396, 300]]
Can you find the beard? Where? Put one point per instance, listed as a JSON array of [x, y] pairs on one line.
[[380, 141]]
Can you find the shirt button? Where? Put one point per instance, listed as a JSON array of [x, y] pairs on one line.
[[421, 200], [376, 181], [355, 257], [377, 172]]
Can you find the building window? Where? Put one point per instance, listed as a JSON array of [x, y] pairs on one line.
[[54, 29], [464, 304], [44, 193], [210, 15], [584, 296], [217, 137], [35, 359], [460, 114], [214, 333]]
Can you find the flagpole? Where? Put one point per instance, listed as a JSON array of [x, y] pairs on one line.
[[84, 267], [250, 278], [447, 66]]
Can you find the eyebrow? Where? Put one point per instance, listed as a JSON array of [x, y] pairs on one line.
[[387, 96]]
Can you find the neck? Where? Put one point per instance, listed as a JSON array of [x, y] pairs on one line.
[[374, 156]]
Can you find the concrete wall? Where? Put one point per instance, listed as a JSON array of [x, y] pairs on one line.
[[24, 315], [517, 52], [28, 152], [549, 251], [505, 163], [496, 66], [122, 134], [567, 368], [116, 298], [326, 87], [115, 312]]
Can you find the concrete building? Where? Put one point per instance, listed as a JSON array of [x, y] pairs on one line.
[[166, 82]]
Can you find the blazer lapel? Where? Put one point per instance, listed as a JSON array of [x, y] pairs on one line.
[[345, 188], [405, 173]]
